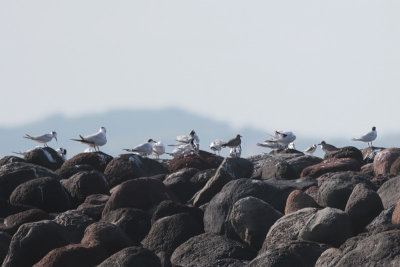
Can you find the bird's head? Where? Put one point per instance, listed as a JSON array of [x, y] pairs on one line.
[[54, 134], [374, 128], [322, 143], [103, 129], [192, 132], [151, 141], [238, 136]]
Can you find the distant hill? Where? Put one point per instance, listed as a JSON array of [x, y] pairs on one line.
[[127, 128]]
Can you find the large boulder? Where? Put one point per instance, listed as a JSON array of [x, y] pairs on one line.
[[207, 249], [169, 232], [169, 207], [369, 153], [67, 171], [14, 174], [298, 164], [384, 219], [384, 159], [329, 226], [277, 168], [93, 205], [13, 222], [134, 222], [335, 191], [363, 206], [332, 165], [201, 178], [130, 166], [140, 193], [202, 161], [390, 192], [33, 241], [132, 256], [396, 214], [298, 200], [260, 160], [97, 160], [84, 184], [44, 156], [10, 159], [251, 219], [5, 240], [230, 169], [45, 193], [345, 152], [75, 223], [181, 185]]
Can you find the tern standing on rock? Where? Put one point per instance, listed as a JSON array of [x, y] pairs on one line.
[[368, 137], [192, 139], [144, 149], [94, 140], [327, 147], [158, 149], [216, 145], [282, 138], [44, 138]]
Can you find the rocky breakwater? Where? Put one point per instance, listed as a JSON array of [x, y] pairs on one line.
[[277, 209]]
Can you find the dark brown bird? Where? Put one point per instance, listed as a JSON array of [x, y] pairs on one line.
[[234, 142]]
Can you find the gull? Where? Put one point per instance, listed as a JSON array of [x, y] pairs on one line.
[[144, 149], [282, 138], [44, 138], [235, 152], [327, 147], [158, 149], [182, 149], [234, 142], [271, 145], [62, 152], [192, 139], [310, 150], [368, 137], [216, 145], [94, 140]]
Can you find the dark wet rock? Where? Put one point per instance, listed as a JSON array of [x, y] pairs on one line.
[[201, 178], [202, 161], [140, 193], [329, 226], [390, 192], [277, 168], [13, 222], [383, 219], [379, 180], [14, 174], [97, 160], [384, 159], [130, 166], [168, 233], [227, 262], [345, 152], [181, 185], [132, 256], [10, 159], [363, 206], [259, 160], [134, 222], [67, 171], [5, 240], [93, 206], [368, 169], [298, 200], [168, 208], [230, 169], [294, 253], [45, 157], [332, 165], [287, 228], [335, 191], [45, 193], [75, 223], [298, 164], [33, 241], [251, 219], [207, 249], [84, 184]]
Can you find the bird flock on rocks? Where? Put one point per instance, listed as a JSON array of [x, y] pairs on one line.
[[191, 143]]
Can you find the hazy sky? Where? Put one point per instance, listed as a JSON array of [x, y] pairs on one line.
[[315, 67]]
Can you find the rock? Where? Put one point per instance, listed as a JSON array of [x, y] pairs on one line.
[[33, 241], [97, 160], [169, 232], [369, 153], [180, 184], [13, 222], [390, 192], [298, 164], [7, 209], [294, 253], [93, 206], [329, 226], [396, 214], [45, 157], [67, 171], [345, 152], [368, 169], [227, 262], [381, 249], [84, 184], [259, 160], [378, 181], [75, 223], [134, 222], [216, 215], [200, 179], [206, 249], [5, 240], [45, 193], [251, 219], [331, 165], [14, 174], [286, 229], [363, 206], [132, 256], [130, 166], [277, 168], [335, 191], [230, 169], [382, 220], [395, 168], [107, 236], [10, 159], [140, 193], [202, 161], [168, 208], [384, 159], [298, 200]]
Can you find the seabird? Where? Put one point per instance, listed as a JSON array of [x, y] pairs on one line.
[[272, 146], [282, 138], [368, 137], [183, 149], [234, 142], [327, 147], [216, 145], [291, 146], [192, 139], [44, 138], [144, 149], [235, 152], [94, 140], [310, 150], [158, 149], [62, 152]]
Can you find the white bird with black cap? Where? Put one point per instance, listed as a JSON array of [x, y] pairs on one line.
[[368, 137], [94, 140], [44, 138]]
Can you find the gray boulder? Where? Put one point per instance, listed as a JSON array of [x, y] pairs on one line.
[[390, 192], [382, 220], [75, 223], [132, 256], [45, 157]]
